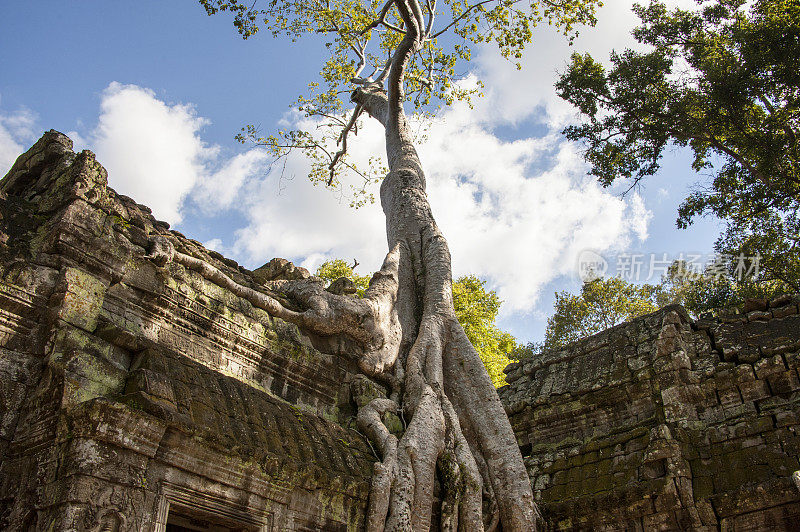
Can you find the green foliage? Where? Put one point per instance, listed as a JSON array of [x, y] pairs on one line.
[[719, 285], [476, 310], [330, 270], [602, 303], [725, 82], [361, 36]]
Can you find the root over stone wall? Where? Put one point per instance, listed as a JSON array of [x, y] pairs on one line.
[[131, 393]]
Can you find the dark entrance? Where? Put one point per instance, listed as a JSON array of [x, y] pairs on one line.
[[189, 520]]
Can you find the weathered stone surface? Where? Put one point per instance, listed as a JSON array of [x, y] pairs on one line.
[[130, 393], [83, 299], [662, 423], [277, 269], [127, 389]]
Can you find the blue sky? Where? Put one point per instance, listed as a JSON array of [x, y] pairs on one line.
[[159, 89]]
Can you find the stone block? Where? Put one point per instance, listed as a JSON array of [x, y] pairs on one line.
[[87, 377], [279, 268], [103, 420], [787, 418], [759, 315], [144, 275], [68, 339], [754, 390], [744, 372], [150, 382], [759, 425], [755, 304], [729, 397], [768, 366], [782, 312], [784, 382], [82, 298]]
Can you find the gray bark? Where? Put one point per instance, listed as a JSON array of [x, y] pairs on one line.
[[458, 433], [447, 393]]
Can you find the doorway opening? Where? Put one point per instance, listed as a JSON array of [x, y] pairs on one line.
[[190, 520]]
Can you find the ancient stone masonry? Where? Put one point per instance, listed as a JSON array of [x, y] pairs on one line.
[[136, 396], [133, 395], [665, 423]]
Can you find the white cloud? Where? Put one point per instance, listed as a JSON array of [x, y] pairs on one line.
[[219, 190], [154, 152], [518, 94], [16, 129], [214, 244]]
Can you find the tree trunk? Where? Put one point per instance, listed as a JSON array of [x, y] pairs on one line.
[[458, 433], [456, 418]]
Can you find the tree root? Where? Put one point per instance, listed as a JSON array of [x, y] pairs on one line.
[[371, 321], [455, 435], [370, 422], [433, 441]]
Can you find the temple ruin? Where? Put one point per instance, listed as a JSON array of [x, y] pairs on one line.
[[135, 397]]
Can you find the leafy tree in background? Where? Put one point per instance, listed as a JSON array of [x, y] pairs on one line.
[[723, 80], [602, 303], [382, 55], [476, 310]]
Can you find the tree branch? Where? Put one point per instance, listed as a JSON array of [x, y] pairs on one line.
[[326, 314], [381, 20], [462, 15], [343, 141]]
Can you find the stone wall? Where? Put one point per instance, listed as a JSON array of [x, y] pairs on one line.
[[665, 423], [131, 395]]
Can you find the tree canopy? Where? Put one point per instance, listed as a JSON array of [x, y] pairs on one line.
[[361, 36], [723, 80]]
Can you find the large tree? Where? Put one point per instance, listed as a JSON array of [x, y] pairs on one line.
[[476, 310], [404, 331], [724, 80]]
